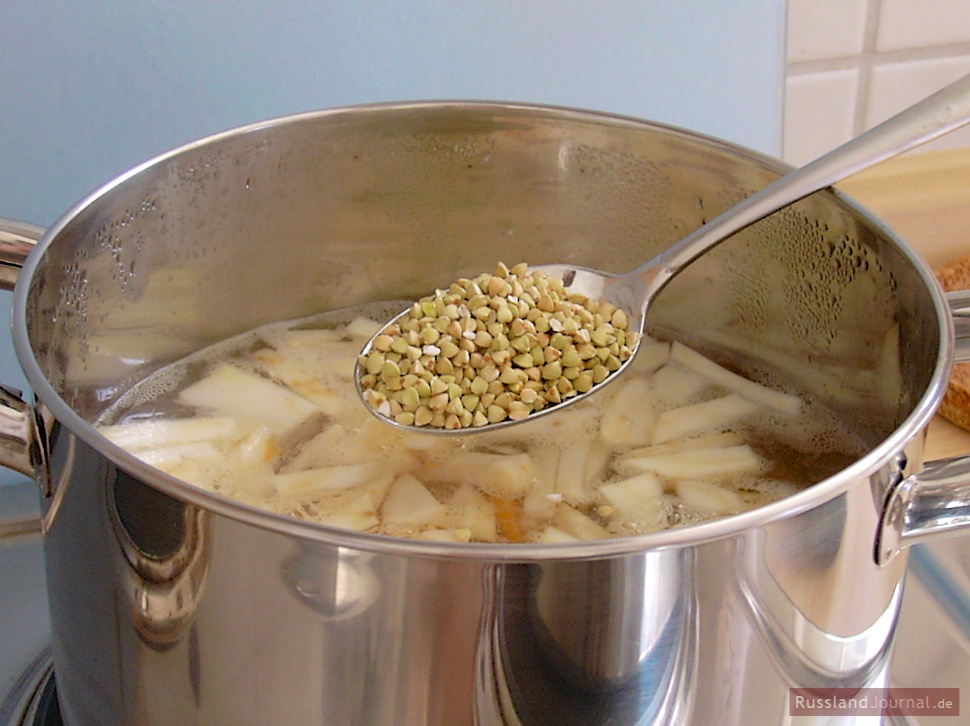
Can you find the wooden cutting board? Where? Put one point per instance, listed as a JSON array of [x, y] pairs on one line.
[[925, 198]]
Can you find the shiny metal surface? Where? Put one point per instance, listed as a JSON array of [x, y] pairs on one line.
[[633, 291], [17, 239], [278, 627], [931, 503], [170, 605], [932, 643], [960, 305], [16, 431]]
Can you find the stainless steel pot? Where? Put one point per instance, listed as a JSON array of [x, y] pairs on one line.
[[171, 605]]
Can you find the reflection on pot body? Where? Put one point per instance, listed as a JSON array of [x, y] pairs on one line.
[[166, 543], [599, 638], [787, 584], [601, 641], [170, 605], [337, 582]]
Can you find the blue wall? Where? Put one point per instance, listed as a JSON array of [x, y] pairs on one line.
[[88, 89]]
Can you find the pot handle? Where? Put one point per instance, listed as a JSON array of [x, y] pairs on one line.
[[936, 500], [20, 429], [17, 239], [932, 503], [959, 302]]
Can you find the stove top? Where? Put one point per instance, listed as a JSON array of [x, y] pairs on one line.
[[932, 644]]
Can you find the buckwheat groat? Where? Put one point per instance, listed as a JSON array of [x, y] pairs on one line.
[[500, 345]]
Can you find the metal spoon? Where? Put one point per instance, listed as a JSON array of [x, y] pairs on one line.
[[934, 116]]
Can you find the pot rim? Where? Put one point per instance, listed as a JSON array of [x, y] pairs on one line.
[[695, 534]]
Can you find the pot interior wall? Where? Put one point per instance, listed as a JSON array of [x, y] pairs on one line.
[[341, 208]]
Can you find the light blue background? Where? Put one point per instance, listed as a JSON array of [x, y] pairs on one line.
[[91, 88]]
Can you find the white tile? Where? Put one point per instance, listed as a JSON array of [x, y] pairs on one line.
[[822, 29], [895, 86], [819, 113], [920, 23]]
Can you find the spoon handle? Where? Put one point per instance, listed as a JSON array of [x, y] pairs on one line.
[[934, 116]]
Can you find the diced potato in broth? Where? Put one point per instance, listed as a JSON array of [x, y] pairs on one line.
[[272, 419]]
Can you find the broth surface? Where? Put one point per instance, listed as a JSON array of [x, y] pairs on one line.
[[271, 418]]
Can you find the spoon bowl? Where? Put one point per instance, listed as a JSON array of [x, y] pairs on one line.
[[633, 291]]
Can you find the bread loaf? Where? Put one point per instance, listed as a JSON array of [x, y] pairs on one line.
[[955, 407]]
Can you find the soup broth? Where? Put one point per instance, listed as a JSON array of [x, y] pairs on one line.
[[272, 419]]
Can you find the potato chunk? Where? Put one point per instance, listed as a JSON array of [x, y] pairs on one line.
[[142, 435], [698, 418], [408, 502], [503, 476], [356, 513], [763, 395], [703, 496], [699, 464], [327, 479], [470, 510], [629, 418], [575, 523], [231, 391], [637, 499]]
